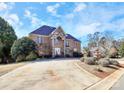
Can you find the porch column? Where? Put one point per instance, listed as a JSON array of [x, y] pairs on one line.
[[53, 54]]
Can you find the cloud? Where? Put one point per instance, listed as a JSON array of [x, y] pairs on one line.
[[6, 6], [82, 30], [3, 6], [69, 16], [35, 21], [13, 19], [53, 9], [32, 17], [27, 13], [119, 24], [79, 7]]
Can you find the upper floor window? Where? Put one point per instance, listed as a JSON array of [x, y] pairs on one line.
[[67, 43], [56, 40], [39, 40]]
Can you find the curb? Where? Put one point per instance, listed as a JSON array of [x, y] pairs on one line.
[[108, 82]]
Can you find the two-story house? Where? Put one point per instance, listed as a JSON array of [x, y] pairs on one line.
[[53, 42]]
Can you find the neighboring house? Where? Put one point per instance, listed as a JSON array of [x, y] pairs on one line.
[[53, 42]]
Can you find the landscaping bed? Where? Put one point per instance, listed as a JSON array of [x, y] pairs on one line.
[[93, 69]]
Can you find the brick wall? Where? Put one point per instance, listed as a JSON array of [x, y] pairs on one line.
[[45, 47]]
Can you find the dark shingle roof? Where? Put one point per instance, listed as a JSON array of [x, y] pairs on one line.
[[68, 36], [44, 30], [47, 30]]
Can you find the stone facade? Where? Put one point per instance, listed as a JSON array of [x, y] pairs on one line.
[[55, 44]]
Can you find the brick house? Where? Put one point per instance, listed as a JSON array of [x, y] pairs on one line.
[[53, 42]]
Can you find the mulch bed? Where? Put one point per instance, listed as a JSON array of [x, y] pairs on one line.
[[102, 73]]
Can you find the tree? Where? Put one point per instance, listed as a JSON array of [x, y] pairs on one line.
[[94, 39], [22, 48], [102, 41], [7, 37], [97, 38], [113, 52], [121, 50], [86, 52]]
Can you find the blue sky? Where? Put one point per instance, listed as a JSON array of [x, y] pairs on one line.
[[77, 19]]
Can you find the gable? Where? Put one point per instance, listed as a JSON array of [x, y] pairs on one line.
[[58, 32]]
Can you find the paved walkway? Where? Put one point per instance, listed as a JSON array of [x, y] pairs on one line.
[[55, 74]]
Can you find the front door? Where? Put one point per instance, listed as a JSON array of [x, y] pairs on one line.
[[57, 51]]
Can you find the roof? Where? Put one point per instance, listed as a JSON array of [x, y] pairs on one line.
[[68, 36], [44, 30], [47, 30]]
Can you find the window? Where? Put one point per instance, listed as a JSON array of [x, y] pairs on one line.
[[67, 43], [39, 40], [56, 40]]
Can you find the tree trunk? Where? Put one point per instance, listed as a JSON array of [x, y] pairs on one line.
[[4, 60]]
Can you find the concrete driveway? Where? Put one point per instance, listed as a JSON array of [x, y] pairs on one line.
[[119, 85], [55, 74]]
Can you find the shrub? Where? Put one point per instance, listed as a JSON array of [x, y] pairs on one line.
[[90, 60], [114, 62], [23, 46], [20, 58], [104, 62], [31, 56], [82, 59]]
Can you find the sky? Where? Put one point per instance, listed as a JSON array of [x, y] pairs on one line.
[[77, 19]]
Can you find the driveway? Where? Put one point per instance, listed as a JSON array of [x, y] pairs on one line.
[[119, 85], [55, 74]]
